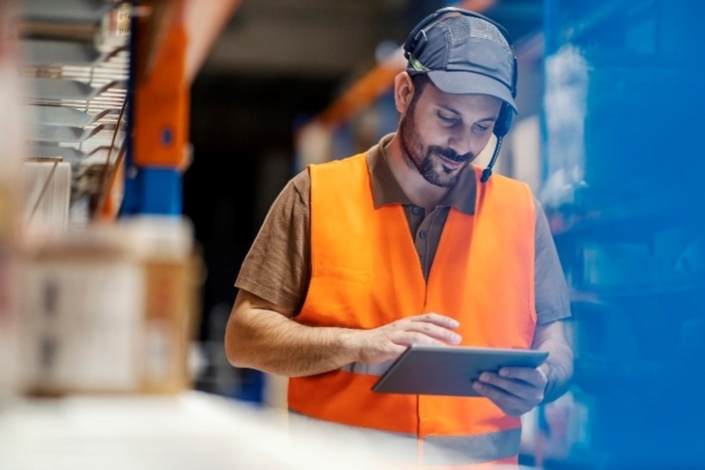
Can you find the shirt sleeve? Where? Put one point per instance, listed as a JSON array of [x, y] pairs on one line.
[[277, 265], [550, 288]]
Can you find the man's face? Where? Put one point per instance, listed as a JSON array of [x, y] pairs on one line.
[[442, 133]]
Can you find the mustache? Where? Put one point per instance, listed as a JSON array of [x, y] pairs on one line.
[[450, 154]]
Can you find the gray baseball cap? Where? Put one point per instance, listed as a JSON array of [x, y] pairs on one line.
[[466, 55]]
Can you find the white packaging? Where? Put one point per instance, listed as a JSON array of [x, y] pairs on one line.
[[84, 324], [110, 308], [12, 150]]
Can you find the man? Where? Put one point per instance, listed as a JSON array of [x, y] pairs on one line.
[[406, 244]]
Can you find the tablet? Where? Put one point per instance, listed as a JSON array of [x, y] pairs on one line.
[[449, 370]]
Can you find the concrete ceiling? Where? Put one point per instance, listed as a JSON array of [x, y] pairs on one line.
[[325, 38], [332, 38]]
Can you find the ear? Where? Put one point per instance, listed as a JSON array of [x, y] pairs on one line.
[[403, 92]]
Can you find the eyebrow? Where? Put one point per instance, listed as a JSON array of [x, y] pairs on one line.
[[459, 114]]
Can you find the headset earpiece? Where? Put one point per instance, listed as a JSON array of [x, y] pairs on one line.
[[416, 44], [504, 121]]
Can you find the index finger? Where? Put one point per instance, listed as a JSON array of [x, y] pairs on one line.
[[436, 319]]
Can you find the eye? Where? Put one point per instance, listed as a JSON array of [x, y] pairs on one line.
[[481, 127], [447, 120]]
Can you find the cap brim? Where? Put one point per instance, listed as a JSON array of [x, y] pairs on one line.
[[465, 83]]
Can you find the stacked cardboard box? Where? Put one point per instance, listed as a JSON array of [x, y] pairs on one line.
[[110, 309]]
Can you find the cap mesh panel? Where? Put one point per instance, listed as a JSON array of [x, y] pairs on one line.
[[460, 27]]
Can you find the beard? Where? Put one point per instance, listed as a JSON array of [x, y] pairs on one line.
[[427, 159]]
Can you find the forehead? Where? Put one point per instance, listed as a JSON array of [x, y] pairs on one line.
[[431, 95]]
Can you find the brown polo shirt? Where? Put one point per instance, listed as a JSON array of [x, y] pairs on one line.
[[277, 268]]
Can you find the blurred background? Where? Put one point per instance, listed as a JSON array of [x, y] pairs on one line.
[[142, 143]]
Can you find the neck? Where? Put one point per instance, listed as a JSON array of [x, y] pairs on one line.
[[421, 192]]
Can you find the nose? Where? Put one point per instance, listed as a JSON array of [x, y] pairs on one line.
[[462, 142]]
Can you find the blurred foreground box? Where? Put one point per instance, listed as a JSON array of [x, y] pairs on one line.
[[185, 431], [110, 308]]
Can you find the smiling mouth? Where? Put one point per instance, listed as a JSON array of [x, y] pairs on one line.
[[451, 164]]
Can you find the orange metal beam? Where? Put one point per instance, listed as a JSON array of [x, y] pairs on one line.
[[161, 113], [173, 43], [174, 40], [203, 22]]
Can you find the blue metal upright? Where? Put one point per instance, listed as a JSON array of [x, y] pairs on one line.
[[159, 116]]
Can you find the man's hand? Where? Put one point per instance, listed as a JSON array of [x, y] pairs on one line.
[[389, 341], [515, 390]]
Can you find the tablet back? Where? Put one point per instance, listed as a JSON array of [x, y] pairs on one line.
[[438, 370]]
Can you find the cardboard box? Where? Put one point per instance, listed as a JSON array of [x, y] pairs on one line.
[[110, 310]]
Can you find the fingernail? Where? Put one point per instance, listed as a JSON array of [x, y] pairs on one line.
[[476, 385], [454, 323], [503, 372], [485, 377], [457, 339]]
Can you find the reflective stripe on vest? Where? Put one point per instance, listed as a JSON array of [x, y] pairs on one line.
[[404, 448], [367, 369], [467, 450]]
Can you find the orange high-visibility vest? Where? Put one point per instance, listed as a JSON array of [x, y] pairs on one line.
[[365, 273]]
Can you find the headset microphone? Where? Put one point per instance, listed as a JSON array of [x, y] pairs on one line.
[[487, 172]]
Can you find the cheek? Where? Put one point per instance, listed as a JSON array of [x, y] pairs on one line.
[[429, 129], [480, 141], [425, 139], [436, 134], [485, 140]]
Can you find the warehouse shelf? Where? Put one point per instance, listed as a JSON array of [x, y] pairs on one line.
[[46, 90], [60, 116], [636, 220], [68, 154], [630, 237], [606, 296], [69, 135], [78, 72], [66, 11], [46, 52]]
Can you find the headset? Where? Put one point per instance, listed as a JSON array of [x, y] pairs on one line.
[[414, 45]]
